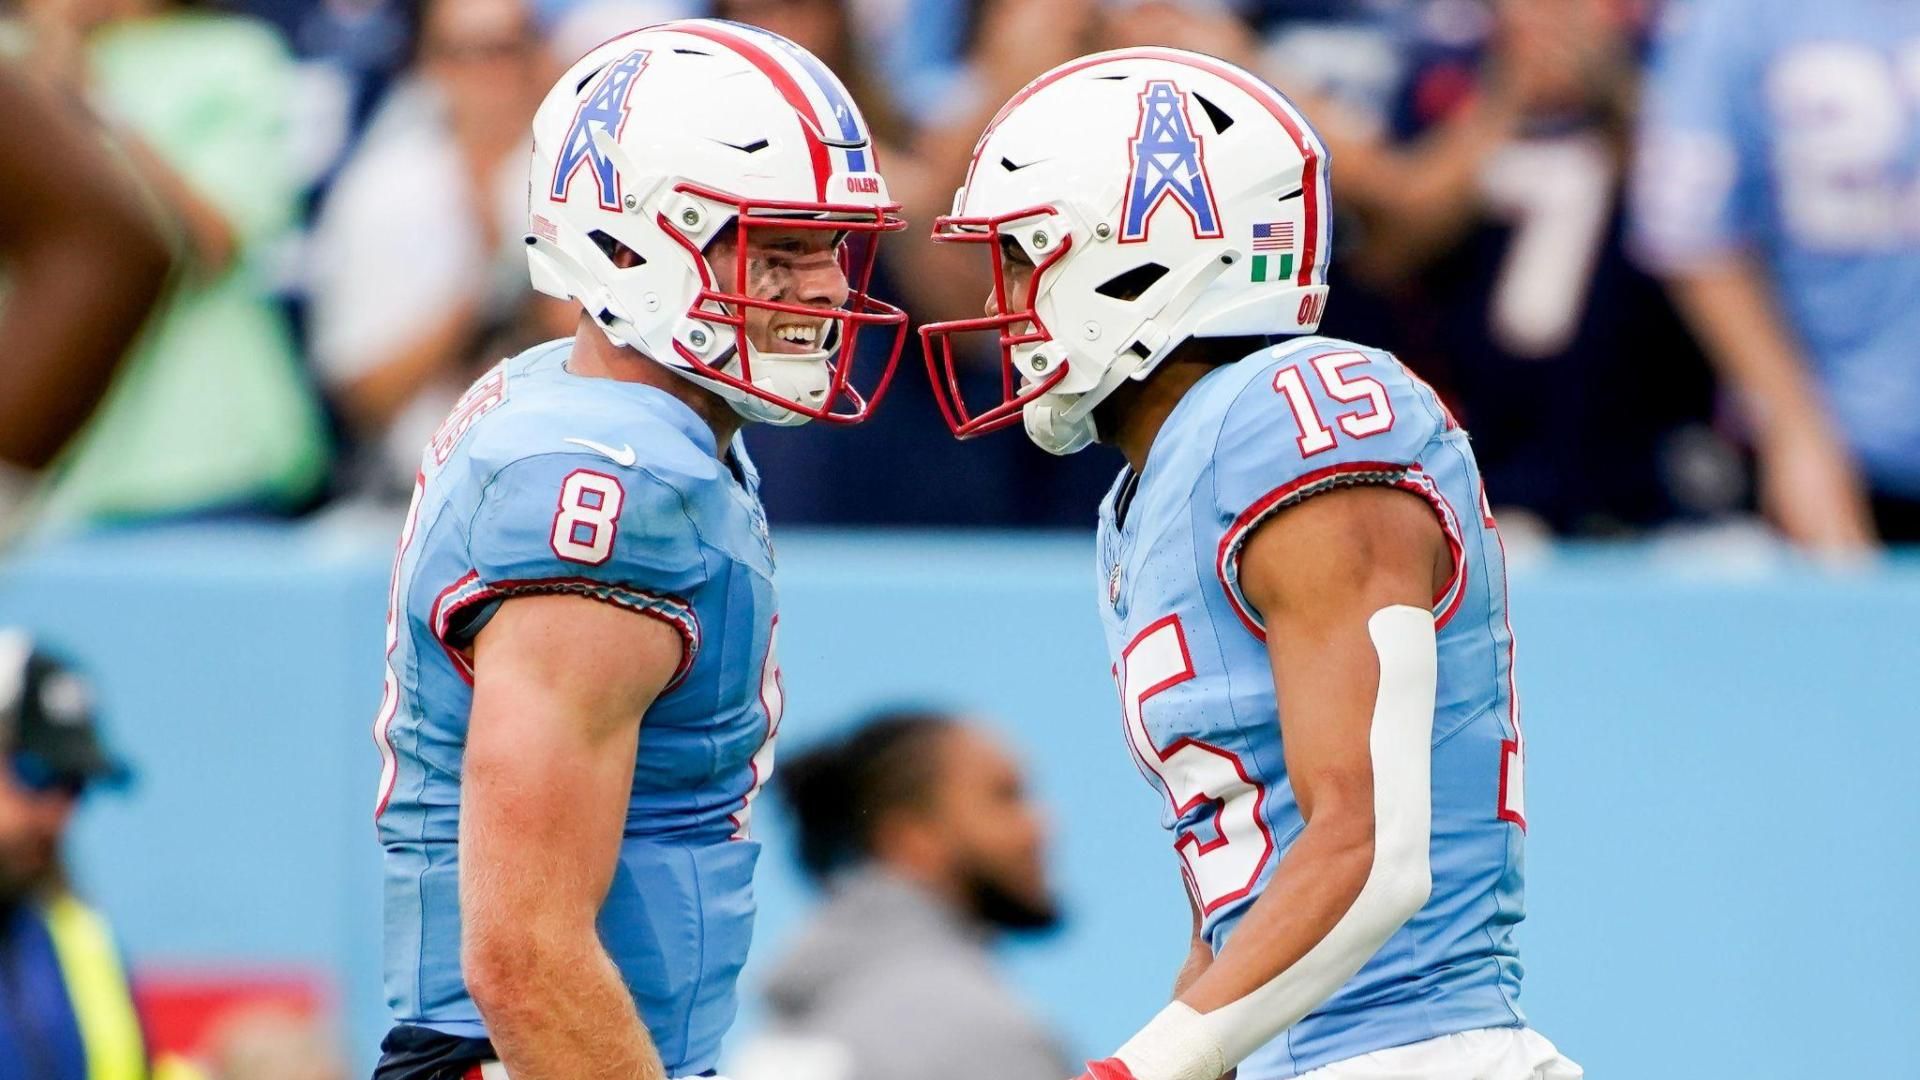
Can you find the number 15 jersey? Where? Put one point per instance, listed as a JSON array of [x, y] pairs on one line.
[[1198, 702]]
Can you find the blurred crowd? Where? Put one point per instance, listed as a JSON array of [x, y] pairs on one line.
[[344, 185]]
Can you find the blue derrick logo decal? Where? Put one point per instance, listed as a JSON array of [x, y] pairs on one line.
[[1167, 163], [606, 107]]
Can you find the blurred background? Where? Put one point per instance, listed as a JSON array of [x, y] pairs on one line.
[[1662, 259]]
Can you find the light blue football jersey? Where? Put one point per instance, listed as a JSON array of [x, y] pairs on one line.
[[542, 481], [1197, 695], [1791, 131]]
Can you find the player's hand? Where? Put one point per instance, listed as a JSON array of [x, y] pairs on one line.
[[1812, 490]]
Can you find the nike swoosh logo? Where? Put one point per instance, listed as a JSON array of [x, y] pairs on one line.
[[623, 457]]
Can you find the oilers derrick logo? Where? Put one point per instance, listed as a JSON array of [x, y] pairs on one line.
[[607, 107], [1167, 163]]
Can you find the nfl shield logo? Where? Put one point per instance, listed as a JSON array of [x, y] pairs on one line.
[[1113, 586]]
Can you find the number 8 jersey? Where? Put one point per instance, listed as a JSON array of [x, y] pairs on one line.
[[1198, 702], [545, 482]]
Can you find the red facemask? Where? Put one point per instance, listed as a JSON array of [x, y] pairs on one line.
[[862, 227], [1015, 325]]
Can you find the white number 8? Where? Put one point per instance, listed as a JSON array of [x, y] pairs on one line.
[[588, 518]]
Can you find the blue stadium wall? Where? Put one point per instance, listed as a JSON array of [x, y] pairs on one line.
[[1723, 775]]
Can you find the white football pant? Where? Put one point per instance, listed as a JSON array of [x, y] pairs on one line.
[[1485, 1054]]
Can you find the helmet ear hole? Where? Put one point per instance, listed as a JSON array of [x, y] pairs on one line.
[[617, 253], [587, 78], [1131, 284], [1216, 115]]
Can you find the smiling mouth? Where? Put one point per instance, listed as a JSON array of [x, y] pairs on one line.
[[797, 337]]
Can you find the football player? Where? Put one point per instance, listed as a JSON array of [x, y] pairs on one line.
[[1303, 593], [582, 693]]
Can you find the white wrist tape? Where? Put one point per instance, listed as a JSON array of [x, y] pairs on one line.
[[1181, 1044], [1178, 1044]]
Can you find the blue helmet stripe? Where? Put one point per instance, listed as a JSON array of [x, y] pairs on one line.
[[842, 106]]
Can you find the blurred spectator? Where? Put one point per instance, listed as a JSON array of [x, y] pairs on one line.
[[1777, 190], [1479, 150], [65, 1009], [417, 263], [273, 1044], [920, 828], [213, 413], [83, 262], [349, 51], [575, 27]]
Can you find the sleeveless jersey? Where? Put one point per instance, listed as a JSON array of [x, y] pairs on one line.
[[1198, 701], [542, 481]]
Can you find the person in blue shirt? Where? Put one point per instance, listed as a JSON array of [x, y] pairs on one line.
[[1778, 190], [582, 690], [1302, 588]]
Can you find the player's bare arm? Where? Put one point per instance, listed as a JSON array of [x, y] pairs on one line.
[[559, 688], [1318, 573], [1343, 581], [1199, 954]]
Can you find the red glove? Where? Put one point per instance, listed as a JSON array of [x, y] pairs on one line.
[[1110, 1069]]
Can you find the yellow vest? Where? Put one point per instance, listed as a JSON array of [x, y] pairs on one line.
[[97, 987]]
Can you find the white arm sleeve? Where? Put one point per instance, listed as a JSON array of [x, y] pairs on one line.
[[1181, 1044]]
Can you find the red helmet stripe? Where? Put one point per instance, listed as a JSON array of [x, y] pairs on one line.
[[1309, 174], [782, 80]]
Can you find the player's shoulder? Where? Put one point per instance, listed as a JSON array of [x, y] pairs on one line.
[[1313, 385], [1306, 411], [548, 421]]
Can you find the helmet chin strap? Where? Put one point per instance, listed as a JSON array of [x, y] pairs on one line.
[[1051, 431], [1063, 423]]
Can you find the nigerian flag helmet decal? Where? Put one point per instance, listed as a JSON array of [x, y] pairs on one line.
[[1273, 251]]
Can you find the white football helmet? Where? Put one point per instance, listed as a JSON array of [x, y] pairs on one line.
[[659, 142], [1161, 195]]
